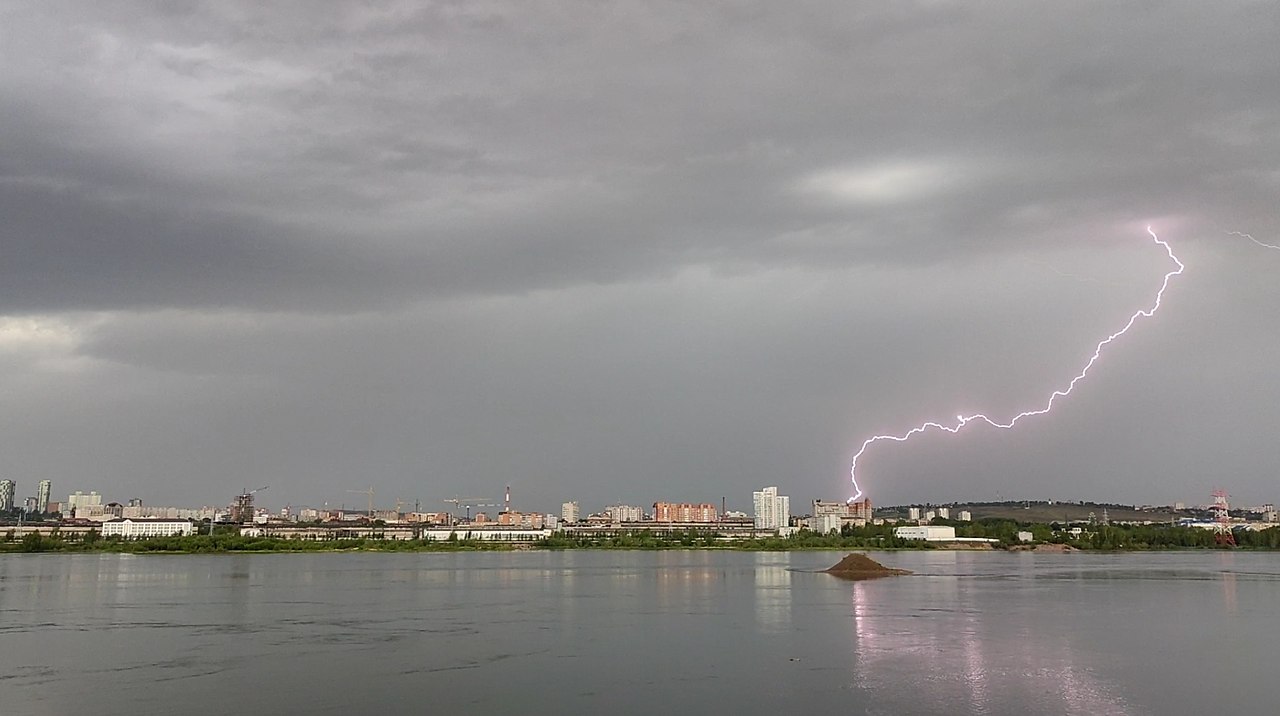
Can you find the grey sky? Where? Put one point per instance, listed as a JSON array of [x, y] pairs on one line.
[[637, 251]]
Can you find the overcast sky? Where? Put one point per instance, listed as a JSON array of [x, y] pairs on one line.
[[638, 251]]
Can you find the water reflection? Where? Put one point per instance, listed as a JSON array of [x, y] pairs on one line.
[[935, 632], [685, 582], [1226, 563], [772, 592]]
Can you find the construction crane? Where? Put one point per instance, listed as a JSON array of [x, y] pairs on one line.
[[467, 502], [242, 508], [369, 493]]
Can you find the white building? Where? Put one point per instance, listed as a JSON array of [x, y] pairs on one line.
[[965, 516], [773, 511], [625, 513], [8, 488], [823, 507], [42, 496], [928, 533], [486, 534], [570, 513], [826, 522], [944, 513], [97, 513], [140, 511], [81, 500], [142, 527], [913, 513]]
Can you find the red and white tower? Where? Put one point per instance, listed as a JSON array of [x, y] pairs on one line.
[[1222, 519]]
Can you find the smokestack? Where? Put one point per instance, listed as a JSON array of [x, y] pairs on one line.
[[507, 506]]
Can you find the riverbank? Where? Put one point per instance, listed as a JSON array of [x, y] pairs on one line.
[[235, 544], [984, 535]]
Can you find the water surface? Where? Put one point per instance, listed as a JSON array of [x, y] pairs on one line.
[[638, 632]]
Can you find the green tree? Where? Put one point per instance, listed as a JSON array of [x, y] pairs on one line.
[[34, 542]]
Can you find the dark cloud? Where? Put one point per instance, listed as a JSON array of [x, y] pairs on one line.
[[628, 251]]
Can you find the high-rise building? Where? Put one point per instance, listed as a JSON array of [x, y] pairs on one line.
[[855, 511], [569, 512], [848, 513], [823, 507], [525, 520], [684, 512], [7, 490], [772, 510], [944, 513], [826, 522], [42, 496], [80, 499], [242, 510], [625, 513]]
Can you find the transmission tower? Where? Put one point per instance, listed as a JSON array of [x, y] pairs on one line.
[[1222, 520]]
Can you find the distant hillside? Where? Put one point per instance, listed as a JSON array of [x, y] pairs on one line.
[[1044, 511]]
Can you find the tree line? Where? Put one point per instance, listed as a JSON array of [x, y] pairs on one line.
[[1005, 531]]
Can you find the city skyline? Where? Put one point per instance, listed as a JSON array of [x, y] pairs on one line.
[[767, 508], [438, 251], [351, 502]]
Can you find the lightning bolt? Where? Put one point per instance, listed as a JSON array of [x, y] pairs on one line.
[[963, 420], [1267, 246]]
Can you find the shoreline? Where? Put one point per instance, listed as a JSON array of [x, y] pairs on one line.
[[140, 549]]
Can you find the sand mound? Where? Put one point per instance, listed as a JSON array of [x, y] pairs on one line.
[[1044, 547], [860, 566], [1054, 548]]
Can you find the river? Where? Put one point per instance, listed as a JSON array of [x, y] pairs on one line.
[[638, 633]]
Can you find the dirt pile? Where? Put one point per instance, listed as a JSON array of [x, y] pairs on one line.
[[1044, 547], [1054, 548], [860, 566]]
